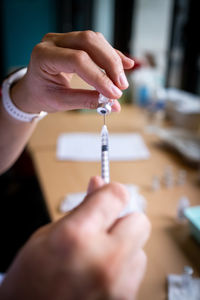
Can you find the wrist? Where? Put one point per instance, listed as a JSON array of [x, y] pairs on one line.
[[15, 98], [20, 95]]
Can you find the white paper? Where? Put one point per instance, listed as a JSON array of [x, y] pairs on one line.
[[87, 147], [137, 202]]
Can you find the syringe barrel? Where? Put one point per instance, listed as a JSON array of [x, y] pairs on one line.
[[105, 172]]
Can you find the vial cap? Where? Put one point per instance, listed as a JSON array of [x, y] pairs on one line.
[[104, 109]]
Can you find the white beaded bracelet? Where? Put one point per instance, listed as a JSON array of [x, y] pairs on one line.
[[9, 106]]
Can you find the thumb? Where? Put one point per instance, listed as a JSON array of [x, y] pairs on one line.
[[95, 183]]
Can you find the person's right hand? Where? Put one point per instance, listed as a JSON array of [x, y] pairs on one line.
[[89, 254]]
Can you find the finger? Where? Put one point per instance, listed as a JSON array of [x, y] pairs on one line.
[[61, 99], [101, 208], [95, 183], [127, 62], [116, 107], [90, 102], [58, 60], [134, 230], [98, 48]]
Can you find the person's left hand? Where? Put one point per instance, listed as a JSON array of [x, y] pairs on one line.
[[46, 86]]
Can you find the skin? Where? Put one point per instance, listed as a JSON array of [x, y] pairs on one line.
[[89, 254], [46, 86]]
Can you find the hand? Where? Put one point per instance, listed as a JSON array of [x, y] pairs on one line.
[[46, 86], [89, 254]]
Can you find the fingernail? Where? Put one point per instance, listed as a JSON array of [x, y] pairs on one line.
[[116, 91], [123, 80], [130, 60]]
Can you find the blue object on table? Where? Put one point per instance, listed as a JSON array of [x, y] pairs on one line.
[[143, 96], [193, 216]]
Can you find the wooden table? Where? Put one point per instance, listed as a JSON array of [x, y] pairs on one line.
[[170, 247]]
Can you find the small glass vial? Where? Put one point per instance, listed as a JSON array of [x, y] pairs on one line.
[[105, 105]]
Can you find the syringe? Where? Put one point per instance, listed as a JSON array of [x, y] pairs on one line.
[[104, 108], [105, 173]]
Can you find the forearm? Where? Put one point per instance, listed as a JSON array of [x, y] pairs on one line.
[[14, 135]]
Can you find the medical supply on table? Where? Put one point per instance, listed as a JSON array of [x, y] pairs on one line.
[[169, 180], [105, 172], [155, 183], [185, 142], [187, 276], [181, 180], [183, 203], [183, 286], [183, 109], [168, 177], [193, 216]]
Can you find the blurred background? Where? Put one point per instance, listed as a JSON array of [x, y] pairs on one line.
[[162, 29], [159, 35]]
